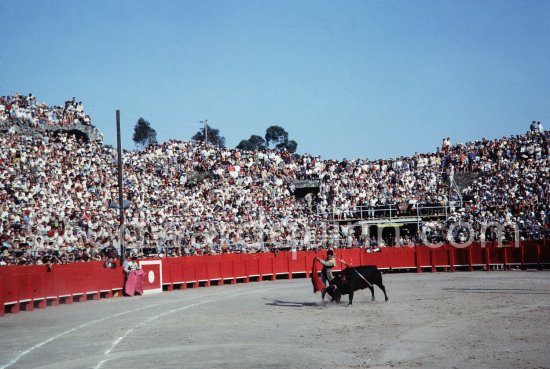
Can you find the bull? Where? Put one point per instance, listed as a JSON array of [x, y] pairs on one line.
[[352, 279]]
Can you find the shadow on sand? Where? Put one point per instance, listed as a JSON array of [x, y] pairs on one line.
[[291, 303]]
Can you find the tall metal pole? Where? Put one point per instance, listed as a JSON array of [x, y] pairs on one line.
[[205, 132], [120, 192], [417, 218]]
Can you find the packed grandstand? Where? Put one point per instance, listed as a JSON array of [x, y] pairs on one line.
[[58, 188]]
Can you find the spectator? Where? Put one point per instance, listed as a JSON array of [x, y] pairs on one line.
[[187, 199]]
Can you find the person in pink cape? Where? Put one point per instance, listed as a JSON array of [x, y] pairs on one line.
[[134, 277]]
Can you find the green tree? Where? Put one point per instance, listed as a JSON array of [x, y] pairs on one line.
[[144, 135], [254, 143], [245, 145], [277, 137], [214, 137], [290, 146]]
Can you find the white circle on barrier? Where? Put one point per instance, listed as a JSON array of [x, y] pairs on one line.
[[151, 276]]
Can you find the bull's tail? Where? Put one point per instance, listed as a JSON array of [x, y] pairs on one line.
[[378, 281]]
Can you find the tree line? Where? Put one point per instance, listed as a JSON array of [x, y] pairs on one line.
[[276, 138]]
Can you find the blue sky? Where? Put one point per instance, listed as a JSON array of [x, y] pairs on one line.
[[353, 79]]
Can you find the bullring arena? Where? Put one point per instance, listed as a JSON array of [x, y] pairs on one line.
[[222, 184], [432, 320], [220, 245]]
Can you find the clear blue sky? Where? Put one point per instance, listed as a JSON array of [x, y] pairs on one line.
[[354, 79]]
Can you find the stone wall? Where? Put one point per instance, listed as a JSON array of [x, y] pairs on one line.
[[21, 127]]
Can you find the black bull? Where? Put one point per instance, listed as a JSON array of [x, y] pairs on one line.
[[352, 279]]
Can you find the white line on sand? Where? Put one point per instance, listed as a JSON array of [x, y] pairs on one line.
[[37, 346], [143, 323]]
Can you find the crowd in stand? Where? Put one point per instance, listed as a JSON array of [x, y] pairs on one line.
[[57, 192], [39, 115]]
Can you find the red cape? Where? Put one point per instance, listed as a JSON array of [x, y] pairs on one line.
[[318, 284]]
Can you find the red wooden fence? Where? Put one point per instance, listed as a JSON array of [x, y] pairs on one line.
[[30, 287]]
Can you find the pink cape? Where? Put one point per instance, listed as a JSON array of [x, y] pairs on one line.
[[134, 282]]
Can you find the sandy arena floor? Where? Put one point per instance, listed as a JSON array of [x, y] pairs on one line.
[[440, 320]]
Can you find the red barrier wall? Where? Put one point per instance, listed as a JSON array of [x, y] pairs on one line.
[[29, 287], [280, 263]]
